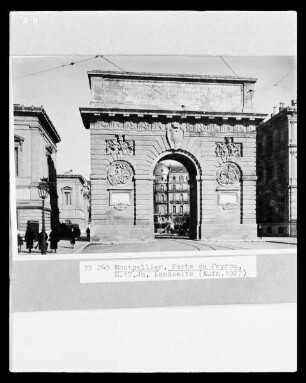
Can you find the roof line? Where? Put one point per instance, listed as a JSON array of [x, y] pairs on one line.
[[40, 112], [102, 110], [72, 176], [161, 76]]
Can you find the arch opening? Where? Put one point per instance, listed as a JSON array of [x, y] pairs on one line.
[[175, 197]]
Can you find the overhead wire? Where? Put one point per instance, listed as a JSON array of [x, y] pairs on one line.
[[155, 90], [284, 87], [277, 83], [54, 68], [89, 59], [144, 82], [227, 64], [271, 86], [285, 76]]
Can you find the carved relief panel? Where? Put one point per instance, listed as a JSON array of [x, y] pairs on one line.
[[228, 148], [228, 175], [228, 179], [119, 173], [119, 147], [120, 177]]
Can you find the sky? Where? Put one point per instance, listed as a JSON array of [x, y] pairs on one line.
[[64, 90]]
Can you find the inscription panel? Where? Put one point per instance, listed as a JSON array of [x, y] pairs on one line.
[[120, 197], [168, 95], [225, 198]]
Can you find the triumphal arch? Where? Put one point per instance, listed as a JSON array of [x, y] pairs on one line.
[[206, 123]]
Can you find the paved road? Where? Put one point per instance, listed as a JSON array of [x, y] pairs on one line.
[[179, 244], [170, 244]]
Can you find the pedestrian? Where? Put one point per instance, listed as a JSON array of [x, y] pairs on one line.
[[72, 237], [54, 239], [29, 238], [20, 242], [88, 234], [77, 232], [40, 240], [260, 231], [171, 226]]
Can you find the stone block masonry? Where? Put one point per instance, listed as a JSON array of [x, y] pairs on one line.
[[218, 148]]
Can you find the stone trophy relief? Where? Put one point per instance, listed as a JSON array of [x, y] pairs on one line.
[[119, 147], [119, 173], [228, 149]]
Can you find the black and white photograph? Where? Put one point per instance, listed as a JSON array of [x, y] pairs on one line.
[[145, 179]]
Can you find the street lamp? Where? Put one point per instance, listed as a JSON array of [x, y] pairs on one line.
[[43, 191]]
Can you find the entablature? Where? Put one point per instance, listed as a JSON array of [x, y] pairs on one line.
[[94, 114]]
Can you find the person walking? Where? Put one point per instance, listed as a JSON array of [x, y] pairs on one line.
[[72, 237], [54, 239], [20, 242], [40, 240], [29, 238], [88, 234], [171, 226]]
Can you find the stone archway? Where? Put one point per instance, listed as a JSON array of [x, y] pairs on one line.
[[194, 172], [209, 129]]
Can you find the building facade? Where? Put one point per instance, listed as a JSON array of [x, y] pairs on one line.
[[277, 173], [35, 148], [171, 195], [74, 199], [206, 123]]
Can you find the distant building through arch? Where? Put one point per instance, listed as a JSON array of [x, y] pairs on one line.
[[174, 204]]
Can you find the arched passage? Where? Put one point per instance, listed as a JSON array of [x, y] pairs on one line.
[[176, 195]]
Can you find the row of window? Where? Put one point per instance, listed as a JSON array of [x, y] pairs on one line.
[[163, 198], [172, 178], [163, 188], [175, 210]]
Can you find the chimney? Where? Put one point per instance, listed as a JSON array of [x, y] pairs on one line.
[[281, 106], [274, 111]]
